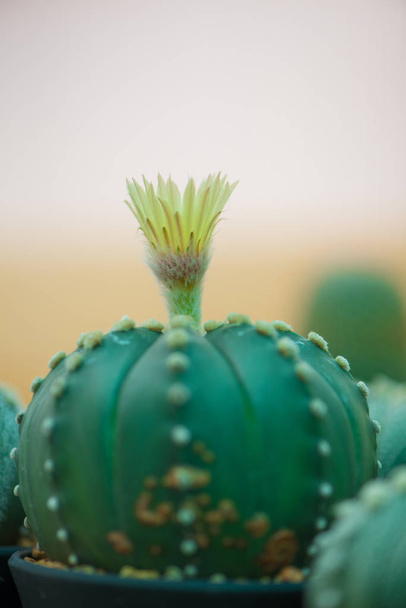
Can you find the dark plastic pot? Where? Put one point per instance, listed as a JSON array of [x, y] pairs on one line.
[[41, 587], [8, 591]]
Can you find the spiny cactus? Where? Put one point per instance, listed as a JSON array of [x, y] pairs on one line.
[[11, 512], [387, 401], [188, 454], [362, 314], [361, 561]]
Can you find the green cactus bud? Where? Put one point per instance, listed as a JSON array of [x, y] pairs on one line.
[[360, 561], [361, 315], [216, 455], [11, 512], [387, 401]]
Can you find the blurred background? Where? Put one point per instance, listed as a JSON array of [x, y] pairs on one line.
[[301, 101]]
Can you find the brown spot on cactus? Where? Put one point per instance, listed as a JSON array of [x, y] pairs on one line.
[[151, 517], [241, 543], [214, 517], [280, 550], [228, 510], [150, 482], [290, 574], [257, 525], [164, 509], [202, 540], [214, 530], [198, 447], [183, 477], [120, 542], [208, 457], [203, 500], [156, 550]]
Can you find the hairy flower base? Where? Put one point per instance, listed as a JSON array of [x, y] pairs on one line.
[[183, 269]]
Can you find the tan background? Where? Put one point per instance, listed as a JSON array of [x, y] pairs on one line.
[[301, 100], [45, 306]]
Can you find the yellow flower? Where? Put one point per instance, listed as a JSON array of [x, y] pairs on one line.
[[175, 224], [179, 231]]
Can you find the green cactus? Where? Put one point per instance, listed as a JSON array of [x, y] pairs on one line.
[[361, 559], [11, 512], [361, 314], [192, 455], [387, 400]]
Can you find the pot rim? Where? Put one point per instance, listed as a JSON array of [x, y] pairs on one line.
[[17, 562]]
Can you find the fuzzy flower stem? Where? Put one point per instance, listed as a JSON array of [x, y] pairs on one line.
[[179, 232], [185, 301]]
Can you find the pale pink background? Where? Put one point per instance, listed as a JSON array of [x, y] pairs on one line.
[[303, 101]]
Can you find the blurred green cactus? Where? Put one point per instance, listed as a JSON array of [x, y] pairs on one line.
[[11, 512], [361, 314], [361, 560], [387, 400], [191, 452]]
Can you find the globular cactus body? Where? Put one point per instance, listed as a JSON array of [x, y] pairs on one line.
[[361, 561], [221, 453], [387, 400], [11, 512], [215, 454], [362, 315]]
